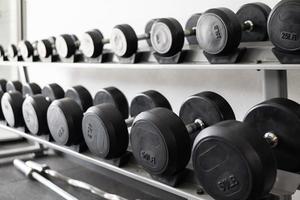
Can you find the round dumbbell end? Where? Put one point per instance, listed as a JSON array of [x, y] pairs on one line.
[[26, 49], [218, 31], [280, 117], [190, 25], [53, 91], [34, 111], [11, 104], [44, 48], [31, 89], [81, 95], [113, 96], [13, 86], [225, 167], [105, 131], [91, 43], [209, 107], [65, 45], [148, 100], [124, 40], [257, 14], [1, 113], [167, 36], [148, 28], [284, 25], [3, 85], [12, 51], [160, 142]]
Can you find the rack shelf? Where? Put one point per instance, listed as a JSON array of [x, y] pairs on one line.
[[186, 190], [155, 66]]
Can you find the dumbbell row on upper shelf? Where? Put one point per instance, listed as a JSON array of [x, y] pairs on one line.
[[229, 157], [218, 32]]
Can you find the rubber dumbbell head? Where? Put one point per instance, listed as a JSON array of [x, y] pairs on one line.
[[67, 45], [113, 96], [284, 25], [220, 30], [232, 163], [14, 86], [161, 142], [254, 20], [64, 116], [124, 40], [191, 25], [12, 103], [167, 36], [105, 128], [147, 29], [12, 51], [45, 47], [35, 108], [3, 85], [26, 49], [277, 120], [92, 43]]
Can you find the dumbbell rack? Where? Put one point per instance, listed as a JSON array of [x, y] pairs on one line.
[[259, 57], [275, 85]]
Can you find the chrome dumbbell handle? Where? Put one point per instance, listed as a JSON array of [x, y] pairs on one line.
[[29, 172], [44, 169]]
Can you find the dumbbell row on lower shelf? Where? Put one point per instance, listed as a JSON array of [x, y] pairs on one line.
[[218, 32], [229, 157]]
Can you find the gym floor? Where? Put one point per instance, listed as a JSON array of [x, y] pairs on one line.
[[14, 185]]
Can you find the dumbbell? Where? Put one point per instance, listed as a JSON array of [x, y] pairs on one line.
[[124, 40], [220, 30], [3, 85], [2, 91], [12, 52], [13, 86], [160, 140], [191, 26], [64, 116], [27, 49], [167, 36], [284, 26], [35, 108], [46, 47], [105, 128], [67, 45], [12, 100], [92, 43], [239, 160]]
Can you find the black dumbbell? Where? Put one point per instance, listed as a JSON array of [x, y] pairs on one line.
[[284, 25], [13, 86], [105, 128], [46, 47], [220, 30], [92, 43], [12, 100], [35, 108], [2, 91], [160, 140], [191, 25], [124, 40], [67, 45], [240, 160], [12, 51], [3, 85], [167, 36], [26, 49], [64, 116]]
